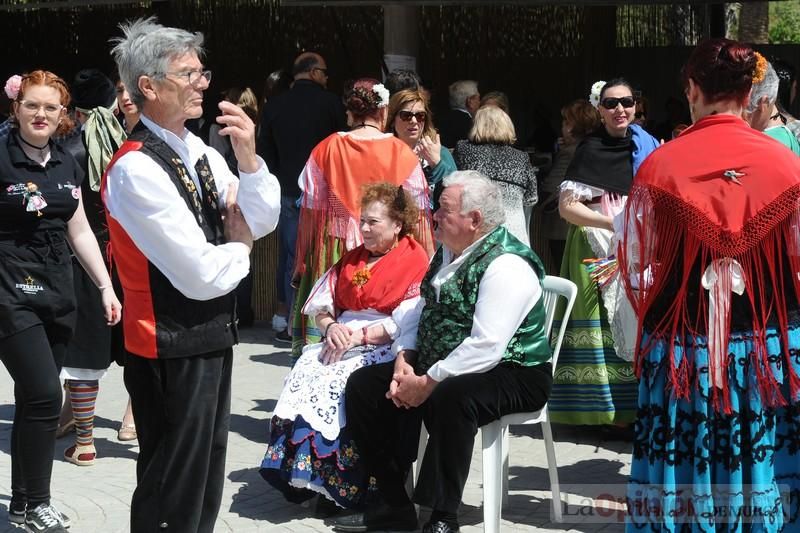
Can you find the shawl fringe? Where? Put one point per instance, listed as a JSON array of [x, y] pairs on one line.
[[664, 239]]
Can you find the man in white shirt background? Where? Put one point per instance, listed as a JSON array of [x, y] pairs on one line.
[[181, 226], [481, 352]]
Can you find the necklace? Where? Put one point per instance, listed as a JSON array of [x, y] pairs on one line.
[[365, 125], [41, 149]]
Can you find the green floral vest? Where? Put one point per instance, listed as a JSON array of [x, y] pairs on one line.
[[446, 323]]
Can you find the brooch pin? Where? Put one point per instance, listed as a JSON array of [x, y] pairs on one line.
[[33, 199], [733, 176], [361, 277]]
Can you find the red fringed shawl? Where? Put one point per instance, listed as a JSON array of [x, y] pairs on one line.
[[396, 277], [333, 179], [720, 194]]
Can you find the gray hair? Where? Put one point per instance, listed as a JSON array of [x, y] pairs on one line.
[[147, 48], [767, 87], [460, 91], [479, 193]]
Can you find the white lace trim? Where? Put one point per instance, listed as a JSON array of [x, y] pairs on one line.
[[580, 191], [316, 391]]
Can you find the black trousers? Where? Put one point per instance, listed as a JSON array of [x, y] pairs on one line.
[[182, 412], [34, 361], [387, 436]]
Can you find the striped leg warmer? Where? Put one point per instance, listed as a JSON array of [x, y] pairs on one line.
[[83, 395]]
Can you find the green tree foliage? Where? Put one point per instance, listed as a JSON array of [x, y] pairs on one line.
[[784, 22]]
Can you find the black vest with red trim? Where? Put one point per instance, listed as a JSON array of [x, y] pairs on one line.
[[159, 322]]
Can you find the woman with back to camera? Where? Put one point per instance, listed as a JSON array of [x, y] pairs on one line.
[[710, 254], [490, 151], [331, 185], [41, 218], [594, 382]]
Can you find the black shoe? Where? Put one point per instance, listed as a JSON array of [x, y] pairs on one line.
[[16, 512], [283, 337], [440, 526], [44, 519], [381, 517]]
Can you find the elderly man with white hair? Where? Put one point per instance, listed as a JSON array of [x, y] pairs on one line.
[[181, 228], [481, 352], [763, 114], [465, 99]]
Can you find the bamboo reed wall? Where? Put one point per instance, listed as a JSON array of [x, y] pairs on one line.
[[263, 260]]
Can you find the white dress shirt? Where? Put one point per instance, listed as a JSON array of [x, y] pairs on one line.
[[143, 199], [499, 311]]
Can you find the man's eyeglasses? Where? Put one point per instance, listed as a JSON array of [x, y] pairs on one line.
[[612, 103], [406, 116], [33, 107], [192, 76], [323, 70]]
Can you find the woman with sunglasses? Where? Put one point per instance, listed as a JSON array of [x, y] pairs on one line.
[[594, 382], [41, 219], [411, 120]]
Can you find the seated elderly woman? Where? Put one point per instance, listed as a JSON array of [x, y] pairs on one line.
[[366, 307]]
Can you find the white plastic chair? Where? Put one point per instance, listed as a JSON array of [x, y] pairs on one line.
[[495, 434]]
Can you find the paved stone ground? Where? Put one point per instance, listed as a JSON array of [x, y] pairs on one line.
[[97, 498]]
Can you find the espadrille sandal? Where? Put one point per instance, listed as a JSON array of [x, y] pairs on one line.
[[81, 455]]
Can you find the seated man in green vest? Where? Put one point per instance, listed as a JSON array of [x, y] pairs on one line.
[[481, 352]]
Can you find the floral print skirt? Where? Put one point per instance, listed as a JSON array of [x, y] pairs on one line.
[[700, 470], [301, 463]]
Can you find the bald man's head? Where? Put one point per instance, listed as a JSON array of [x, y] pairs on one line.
[[310, 66]]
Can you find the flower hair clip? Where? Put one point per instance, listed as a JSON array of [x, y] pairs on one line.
[[13, 85], [383, 94], [760, 72], [594, 94]]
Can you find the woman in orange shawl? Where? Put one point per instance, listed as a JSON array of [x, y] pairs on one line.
[[332, 181]]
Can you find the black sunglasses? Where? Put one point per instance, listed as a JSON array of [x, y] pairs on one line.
[[612, 103], [405, 116], [323, 70]]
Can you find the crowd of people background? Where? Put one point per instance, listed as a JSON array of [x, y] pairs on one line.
[[126, 229]]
